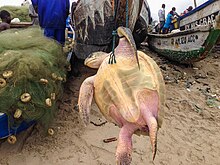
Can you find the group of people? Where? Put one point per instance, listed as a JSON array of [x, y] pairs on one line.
[[51, 15], [167, 24]]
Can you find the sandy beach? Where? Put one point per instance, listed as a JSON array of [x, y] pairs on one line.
[[189, 134]]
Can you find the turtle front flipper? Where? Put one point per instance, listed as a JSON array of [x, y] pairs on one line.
[[85, 99]]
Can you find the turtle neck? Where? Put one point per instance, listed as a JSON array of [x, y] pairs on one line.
[[125, 48]]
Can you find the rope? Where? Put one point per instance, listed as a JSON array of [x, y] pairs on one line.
[[112, 55], [112, 58], [127, 14]]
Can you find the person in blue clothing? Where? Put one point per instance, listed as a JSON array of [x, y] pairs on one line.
[[68, 27], [52, 16], [166, 27]]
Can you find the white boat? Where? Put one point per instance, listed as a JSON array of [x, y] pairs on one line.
[[204, 14]]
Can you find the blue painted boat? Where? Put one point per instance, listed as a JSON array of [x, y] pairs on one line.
[[202, 15], [6, 130]]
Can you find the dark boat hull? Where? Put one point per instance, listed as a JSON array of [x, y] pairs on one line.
[[95, 23]]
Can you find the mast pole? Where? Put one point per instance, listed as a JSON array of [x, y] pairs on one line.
[[195, 4]]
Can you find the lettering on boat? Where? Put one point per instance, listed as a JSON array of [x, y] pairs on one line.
[[162, 42], [184, 39], [207, 20]]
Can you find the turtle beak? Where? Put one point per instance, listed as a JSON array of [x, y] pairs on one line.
[[90, 60], [95, 59], [126, 32], [87, 60]]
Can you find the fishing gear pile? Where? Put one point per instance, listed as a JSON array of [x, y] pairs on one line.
[[32, 73]]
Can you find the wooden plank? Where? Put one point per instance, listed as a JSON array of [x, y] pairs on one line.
[[21, 24]]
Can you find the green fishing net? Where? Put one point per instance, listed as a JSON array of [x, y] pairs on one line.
[[20, 12], [32, 73]]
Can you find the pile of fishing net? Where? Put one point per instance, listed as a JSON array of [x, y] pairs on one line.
[[32, 73], [20, 12]]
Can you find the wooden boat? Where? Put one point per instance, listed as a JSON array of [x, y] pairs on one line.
[[186, 46], [202, 15], [94, 23]]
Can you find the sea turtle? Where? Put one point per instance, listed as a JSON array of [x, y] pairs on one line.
[[128, 95]]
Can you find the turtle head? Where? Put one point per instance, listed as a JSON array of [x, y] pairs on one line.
[[126, 32], [94, 60]]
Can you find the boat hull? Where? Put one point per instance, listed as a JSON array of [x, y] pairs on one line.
[[204, 14], [95, 23], [185, 46]]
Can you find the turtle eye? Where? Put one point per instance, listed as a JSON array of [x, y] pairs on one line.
[[90, 55]]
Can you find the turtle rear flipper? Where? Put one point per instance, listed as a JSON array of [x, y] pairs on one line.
[[124, 148], [85, 99]]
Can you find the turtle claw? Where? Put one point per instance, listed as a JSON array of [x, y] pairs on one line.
[[123, 159], [76, 107], [85, 118], [86, 121]]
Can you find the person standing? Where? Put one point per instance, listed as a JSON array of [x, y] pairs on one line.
[[174, 12], [52, 16], [33, 15], [161, 15]]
